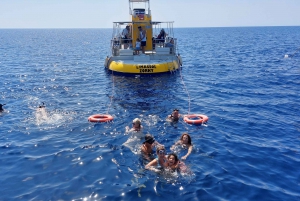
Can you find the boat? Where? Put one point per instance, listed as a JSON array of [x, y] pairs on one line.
[[158, 56]]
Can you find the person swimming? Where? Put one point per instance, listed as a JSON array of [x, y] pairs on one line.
[[136, 125], [134, 141], [185, 142], [41, 114], [174, 164], [1, 107], [158, 164], [174, 116], [147, 147], [42, 106]]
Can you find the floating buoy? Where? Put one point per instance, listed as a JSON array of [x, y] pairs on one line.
[[195, 118], [100, 118]]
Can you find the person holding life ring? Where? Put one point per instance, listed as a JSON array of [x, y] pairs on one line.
[[200, 118]]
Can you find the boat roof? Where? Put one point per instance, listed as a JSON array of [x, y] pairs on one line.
[[127, 22], [139, 0]]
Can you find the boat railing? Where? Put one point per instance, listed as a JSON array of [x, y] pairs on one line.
[[167, 45]]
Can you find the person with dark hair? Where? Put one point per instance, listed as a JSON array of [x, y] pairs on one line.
[[1, 107], [161, 36], [126, 36], [175, 164], [174, 116], [142, 36], [147, 147], [186, 143]]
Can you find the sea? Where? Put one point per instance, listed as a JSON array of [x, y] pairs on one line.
[[245, 79]]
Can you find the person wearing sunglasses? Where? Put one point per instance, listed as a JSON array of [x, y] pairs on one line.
[[174, 116], [185, 142], [159, 163], [147, 147], [136, 126]]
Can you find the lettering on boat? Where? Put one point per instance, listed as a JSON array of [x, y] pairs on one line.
[[146, 68]]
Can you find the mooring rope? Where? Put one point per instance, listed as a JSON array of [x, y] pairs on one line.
[[188, 94], [112, 91]]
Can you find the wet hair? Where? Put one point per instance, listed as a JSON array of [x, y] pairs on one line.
[[149, 139], [175, 110], [160, 148], [175, 156], [137, 121], [189, 137]]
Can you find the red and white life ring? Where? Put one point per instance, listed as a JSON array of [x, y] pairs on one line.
[[190, 118], [100, 118]]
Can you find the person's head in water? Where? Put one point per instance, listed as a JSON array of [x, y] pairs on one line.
[[42, 106], [136, 123], [172, 159], [186, 138], [149, 139], [175, 114], [1, 107]]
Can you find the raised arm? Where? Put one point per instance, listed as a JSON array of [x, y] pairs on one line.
[[188, 153], [150, 166]]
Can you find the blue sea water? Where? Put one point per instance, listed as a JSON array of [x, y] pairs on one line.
[[238, 77]]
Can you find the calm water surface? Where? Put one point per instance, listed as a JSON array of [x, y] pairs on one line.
[[249, 150]]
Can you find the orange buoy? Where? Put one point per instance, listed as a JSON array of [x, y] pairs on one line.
[[100, 118], [200, 118]]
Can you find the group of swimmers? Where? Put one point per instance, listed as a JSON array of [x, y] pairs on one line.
[[163, 161]]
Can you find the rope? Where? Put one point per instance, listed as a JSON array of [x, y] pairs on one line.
[[188, 94], [295, 52], [113, 89]]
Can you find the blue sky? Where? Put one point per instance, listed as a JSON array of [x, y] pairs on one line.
[[185, 13]]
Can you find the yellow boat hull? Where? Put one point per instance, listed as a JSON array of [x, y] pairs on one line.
[[142, 68]]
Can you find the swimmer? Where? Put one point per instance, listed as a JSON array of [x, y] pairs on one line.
[[41, 112], [42, 106], [175, 164], [174, 116], [185, 142], [135, 140], [159, 163], [1, 107], [136, 125], [147, 147]]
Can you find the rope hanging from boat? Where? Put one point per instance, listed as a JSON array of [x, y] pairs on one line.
[[113, 89], [188, 94]]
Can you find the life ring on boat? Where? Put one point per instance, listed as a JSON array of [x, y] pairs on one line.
[[179, 60], [200, 118], [100, 118]]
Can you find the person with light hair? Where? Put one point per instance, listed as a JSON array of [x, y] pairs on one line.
[[136, 125], [136, 135]]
